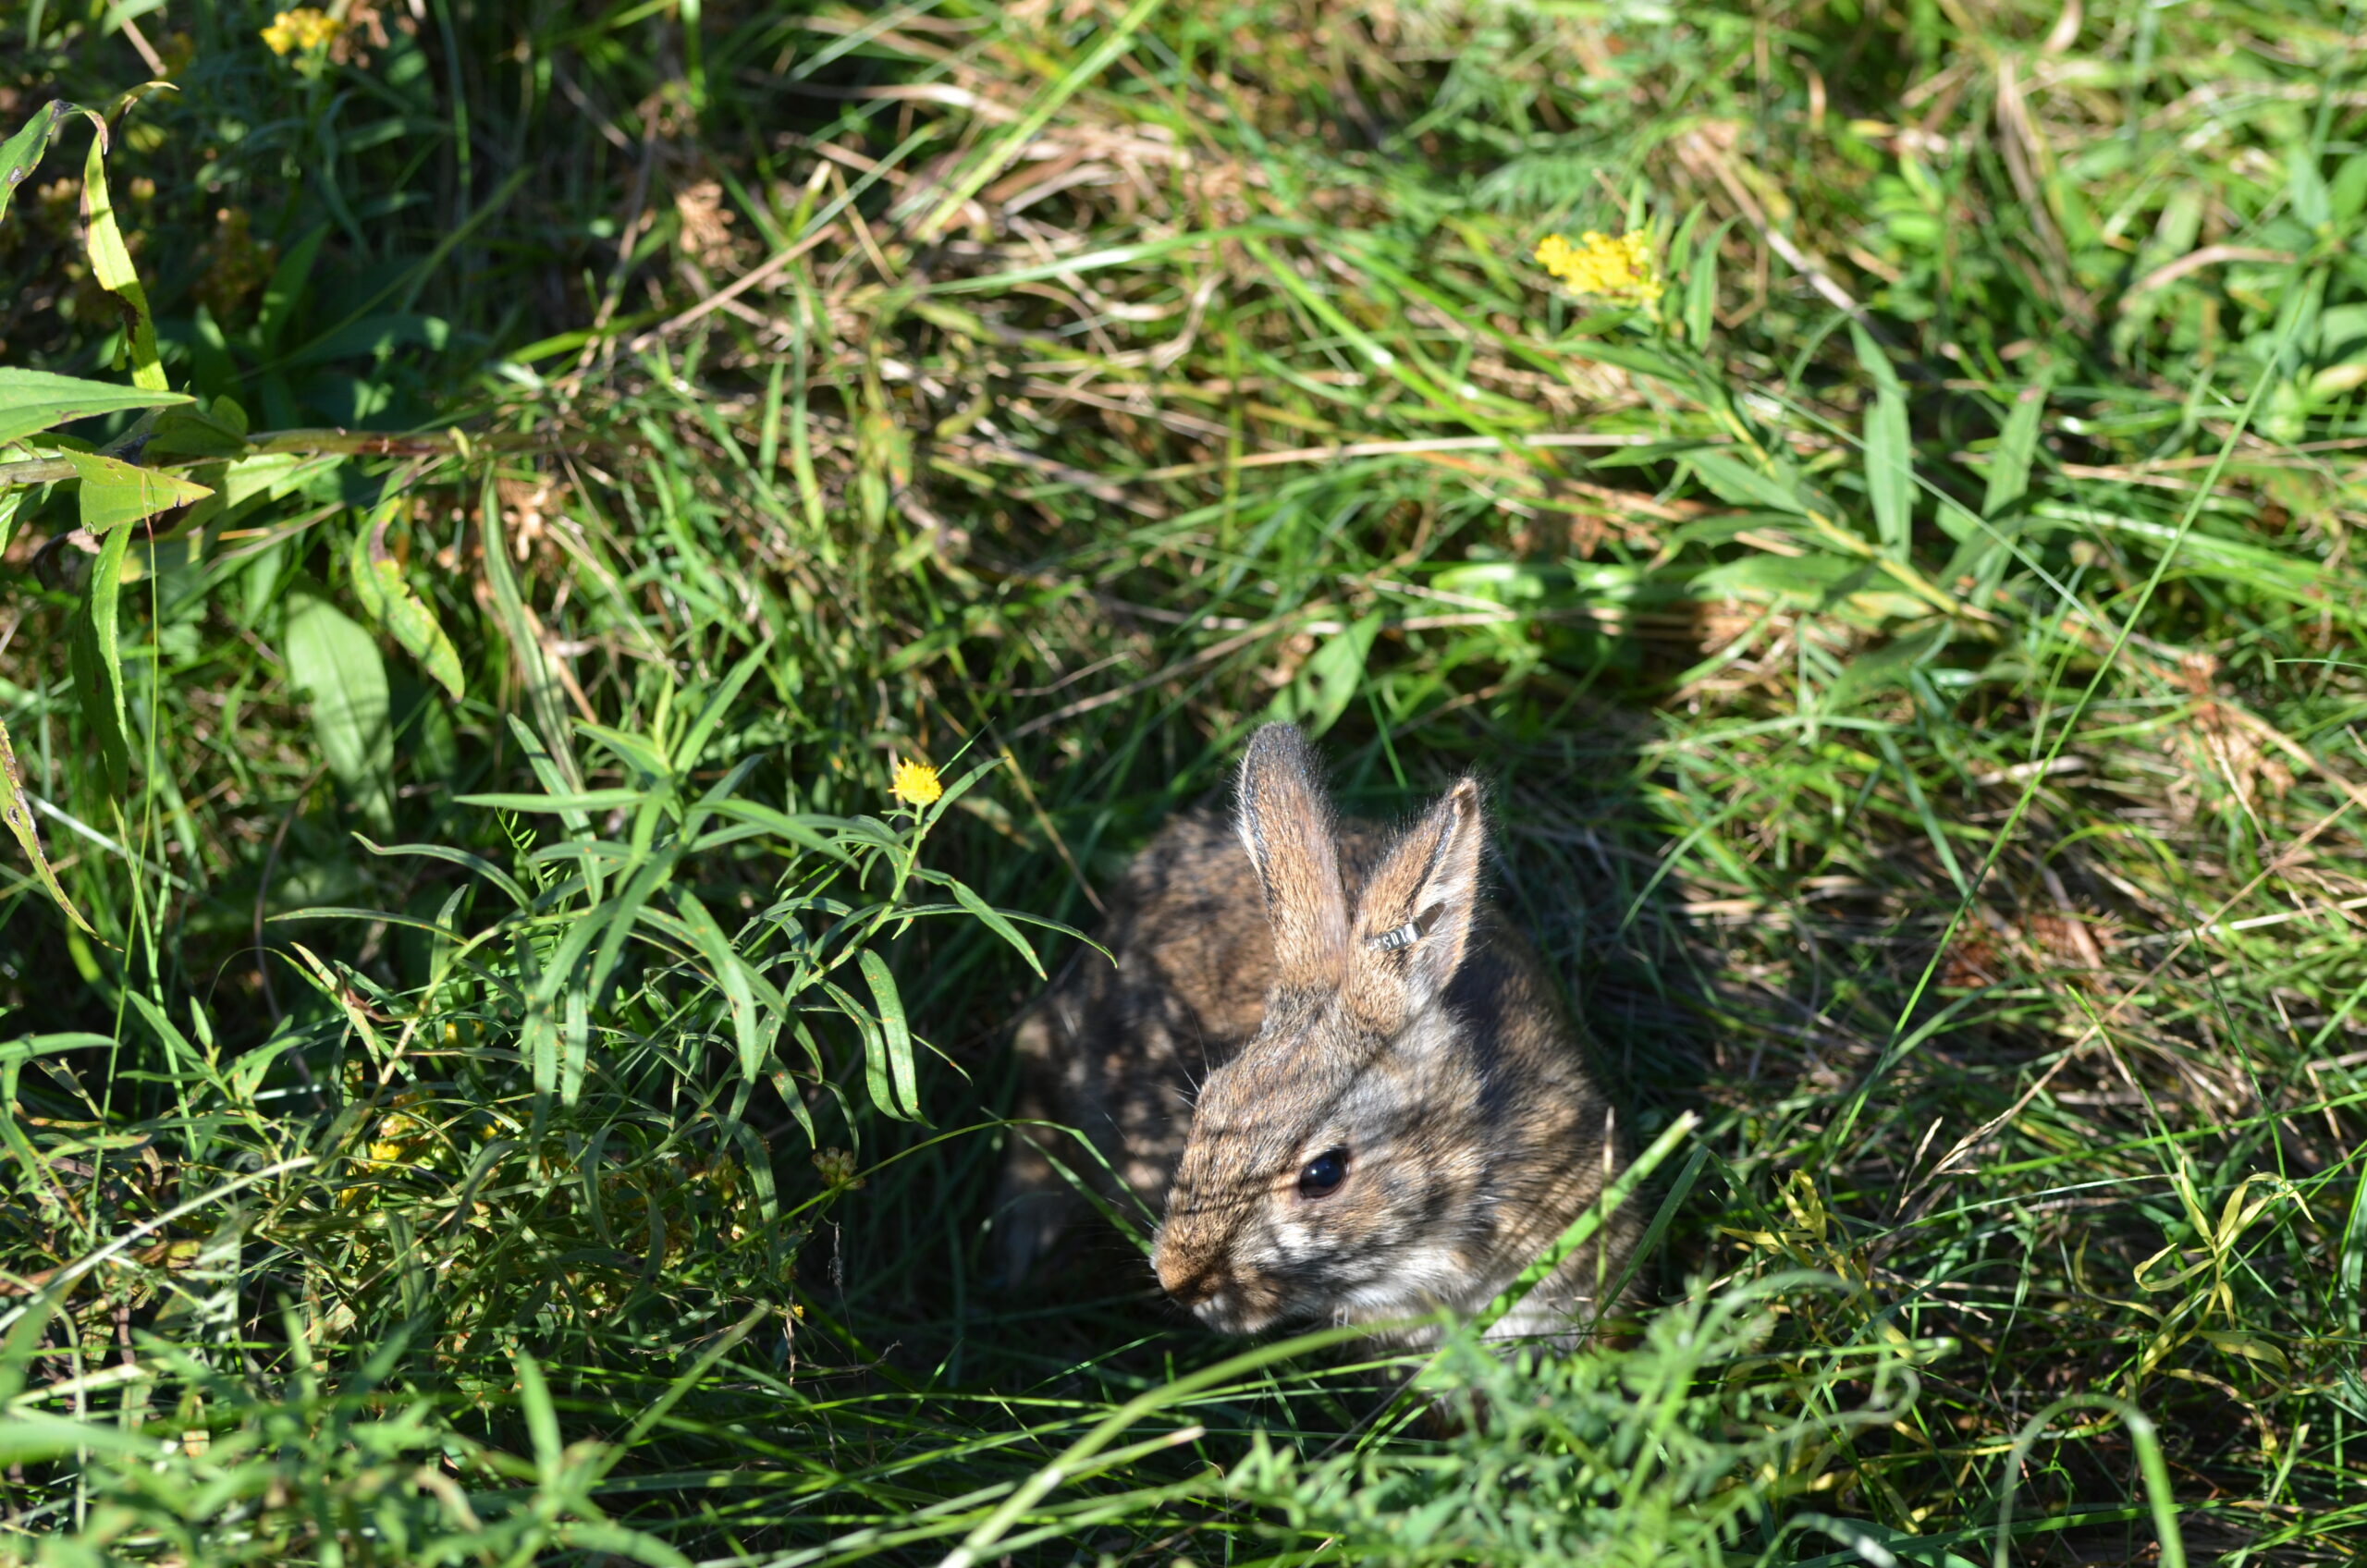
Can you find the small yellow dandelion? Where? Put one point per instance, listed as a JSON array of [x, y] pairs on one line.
[[305, 29], [915, 783], [1621, 269]]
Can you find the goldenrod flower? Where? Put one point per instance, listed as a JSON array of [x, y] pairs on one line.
[[837, 1167], [1621, 269], [306, 29], [915, 783]]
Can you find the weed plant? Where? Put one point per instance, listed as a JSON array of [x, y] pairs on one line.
[[591, 591]]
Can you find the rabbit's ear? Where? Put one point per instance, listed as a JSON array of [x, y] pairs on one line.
[[1286, 823], [1415, 918]]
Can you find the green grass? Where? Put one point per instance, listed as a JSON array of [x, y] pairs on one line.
[[1917, 662]]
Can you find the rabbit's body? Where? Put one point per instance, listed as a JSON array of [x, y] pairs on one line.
[[1329, 1063]]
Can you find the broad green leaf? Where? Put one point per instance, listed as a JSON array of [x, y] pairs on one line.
[[10, 500], [387, 597], [1890, 450], [196, 433], [2009, 466], [336, 663], [34, 399], [896, 1035], [29, 1437], [115, 493], [17, 809], [1791, 582], [1330, 678], [111, 267], [1890, 471], [94, 655], [1739, 482], [22, 152]]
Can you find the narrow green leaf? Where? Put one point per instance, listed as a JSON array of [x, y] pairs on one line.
[[731, 974], [968, 898], [896, 1035], [17, 809], [337, 664], [94, 655], [2009, 466], [564, 804], [34, 399], [694, 742]]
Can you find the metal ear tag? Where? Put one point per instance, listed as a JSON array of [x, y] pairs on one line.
[[1390, 941]]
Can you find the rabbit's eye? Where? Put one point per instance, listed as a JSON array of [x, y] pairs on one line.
[[1323, 1174]]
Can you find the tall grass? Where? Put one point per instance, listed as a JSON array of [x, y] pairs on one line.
[[526, 1086]]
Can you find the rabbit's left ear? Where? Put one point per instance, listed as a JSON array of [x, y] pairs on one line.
[[1415, 918]]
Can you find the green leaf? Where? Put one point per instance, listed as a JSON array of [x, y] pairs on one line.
[[115, 493], [1890, 471], [336, 663], [1737, 480], [22, 152], [896, 1037], [195, 433], [111, 268], [94, 655], [564, 803], [17, 809], [34, 399], [967, 897], [2009, 466], [1702, 286], [731, 974], [29, 1436], [1329, 680], [387, 597], [1890, 450]]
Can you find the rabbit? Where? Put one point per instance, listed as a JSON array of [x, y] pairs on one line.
[[1330, 1064]]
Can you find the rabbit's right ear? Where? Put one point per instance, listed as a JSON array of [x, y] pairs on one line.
[[1286, 824]]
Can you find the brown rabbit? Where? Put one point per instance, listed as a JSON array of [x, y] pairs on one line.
[[1391, 1113]]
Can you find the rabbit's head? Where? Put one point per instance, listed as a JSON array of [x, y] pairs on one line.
[[1349, 1164]]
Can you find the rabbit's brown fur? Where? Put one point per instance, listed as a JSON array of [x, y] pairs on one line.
[[1287, 988]]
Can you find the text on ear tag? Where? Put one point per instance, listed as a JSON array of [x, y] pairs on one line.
[[1403, 936]]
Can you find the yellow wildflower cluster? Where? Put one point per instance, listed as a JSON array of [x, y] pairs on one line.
[[915, 783], [305, 29], [1620, 269]]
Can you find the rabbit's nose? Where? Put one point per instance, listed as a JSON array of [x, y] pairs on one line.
[[1190, 1282]]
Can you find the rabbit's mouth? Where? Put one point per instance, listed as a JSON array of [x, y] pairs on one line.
[[1229, 1312], [1229, 1304]]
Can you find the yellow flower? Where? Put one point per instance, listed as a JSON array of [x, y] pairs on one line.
[[915, 783], [1619, 269], [306, 28]]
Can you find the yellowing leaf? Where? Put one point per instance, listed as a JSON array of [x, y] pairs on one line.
[[111, 267], [17, 809], [115, 493], [387, 597]]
